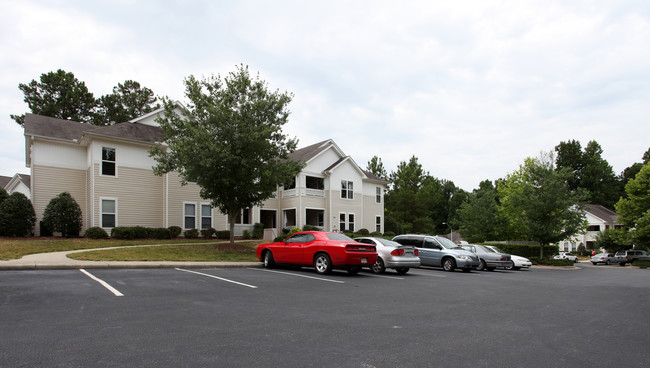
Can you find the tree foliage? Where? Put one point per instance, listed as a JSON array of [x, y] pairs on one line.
[[128, 100], [537, 200], [17, 216], [376, 167], [478, 218], [63, 214], [589, 171], [59, 95], [634, 211], [229, 141]]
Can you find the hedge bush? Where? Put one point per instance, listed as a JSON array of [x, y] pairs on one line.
[[311, 228], [175, 231], [96, 232], [17, 217], [63, 214], [246, 235], [191, 234], [363, 232], [140, 232], [551, 262], [159, 233], [208, 233], [223, 234], [258, 230]]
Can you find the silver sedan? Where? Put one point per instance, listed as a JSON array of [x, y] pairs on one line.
[[392, 255], [489, 258], [605, 258]]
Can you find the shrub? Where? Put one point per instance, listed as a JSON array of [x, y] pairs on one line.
[[191, 234], [159, 233], [130, 232], [363, 232], [551, 262], [96, 232], [17, 217], [280, 238], [375, 234], [294, 230], [389, 234], [175, 231], [246, 234], [641, 264], [63, 214], [525, 250], [207, 233], [582, 250], [223, 234], [258, 230], [311, 228]]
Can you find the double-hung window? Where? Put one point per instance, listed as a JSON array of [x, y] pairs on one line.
[[109, 213], [378, 195], [189, 215], [108, 162], [206, 216], [378, 224], [347, 189], [244, 217]]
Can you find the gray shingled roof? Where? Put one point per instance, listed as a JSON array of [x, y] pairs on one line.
[[44, 126], [27, 180], [602, 212], [307, 153], [4, 180]]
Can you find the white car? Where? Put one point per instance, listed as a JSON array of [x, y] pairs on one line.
[[392, 255], [517, 262], [566, 255]]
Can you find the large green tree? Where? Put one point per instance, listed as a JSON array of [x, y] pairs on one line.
[[17, 215], [59, 95], [403, 200], [634, 211], [478, 219], [589, 170], [128, 100], [630, 172], [228, 140], [537, 199]]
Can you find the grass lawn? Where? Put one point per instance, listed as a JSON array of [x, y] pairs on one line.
[[220, 252], [15, 248]]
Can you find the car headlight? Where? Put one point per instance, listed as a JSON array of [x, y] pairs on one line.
[[463, 257]]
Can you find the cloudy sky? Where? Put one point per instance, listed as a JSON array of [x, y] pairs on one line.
[[471, 88]]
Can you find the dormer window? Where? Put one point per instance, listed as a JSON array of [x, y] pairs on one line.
[[108, 161]]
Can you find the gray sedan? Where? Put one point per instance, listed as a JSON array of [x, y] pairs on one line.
[[392, 255], [489, 258]]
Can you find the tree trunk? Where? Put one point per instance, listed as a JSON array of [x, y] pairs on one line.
[[541, 251], [232, 230]]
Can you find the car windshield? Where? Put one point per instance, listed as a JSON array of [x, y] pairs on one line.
[[336, 236], [388, 243], [496, 250], [447, 243]]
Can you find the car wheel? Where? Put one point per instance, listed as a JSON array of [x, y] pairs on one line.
[[489, 268], [606, 262], [510, 266], [378, 267], [621, 263], [354, 270], [595, 263], [481, 266], [448, 264], [323, 263], [516, 268], [402, 270], [268, 259], [467, 270], [575, 260]]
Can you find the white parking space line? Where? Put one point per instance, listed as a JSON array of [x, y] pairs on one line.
[[218, 278], [104, 283], [299, 275], [386, 277]]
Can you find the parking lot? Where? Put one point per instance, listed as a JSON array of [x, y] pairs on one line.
[[594, 316]]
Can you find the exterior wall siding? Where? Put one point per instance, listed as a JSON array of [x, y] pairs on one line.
[[48, 182], [139, 196]]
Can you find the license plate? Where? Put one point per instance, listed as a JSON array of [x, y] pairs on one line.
[[364, 260]]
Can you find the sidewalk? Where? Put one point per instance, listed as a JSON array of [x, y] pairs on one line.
[[60, 261]]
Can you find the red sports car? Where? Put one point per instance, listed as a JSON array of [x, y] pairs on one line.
[[322, 250]]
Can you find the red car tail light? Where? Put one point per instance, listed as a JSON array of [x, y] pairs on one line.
[[416, 251], [397, 252]]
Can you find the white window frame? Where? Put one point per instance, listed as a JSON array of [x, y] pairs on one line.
[[351, 222], [241, 217], [101, 166], [101, 212], [344, 222], [185, 215], [202, 217], [347, 187], [378, 193]]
